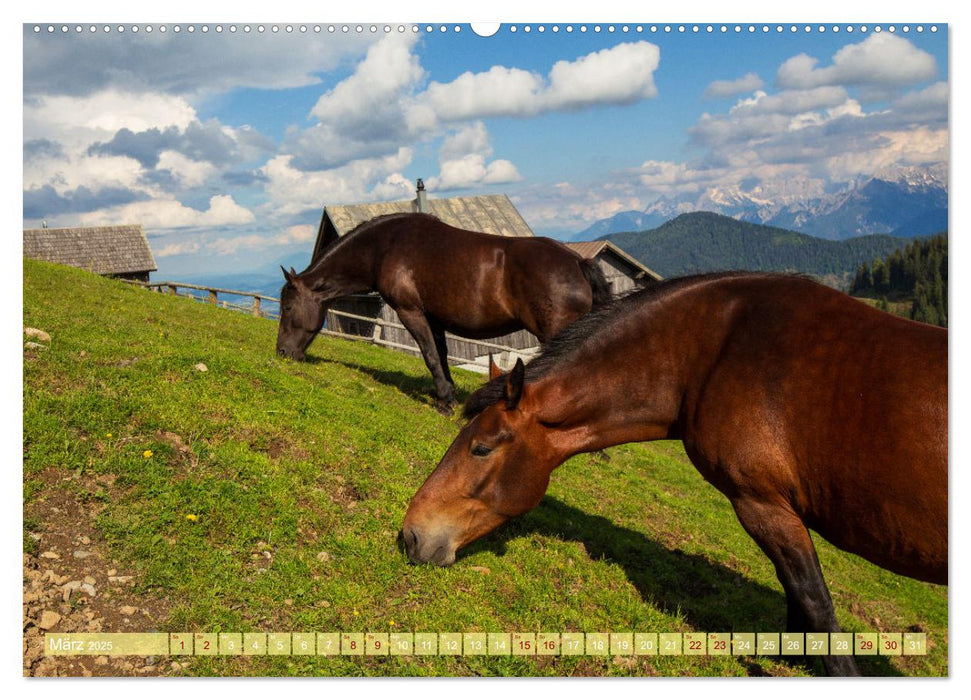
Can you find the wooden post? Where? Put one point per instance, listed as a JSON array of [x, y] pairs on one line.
[[173, 289], [256, 306], [212, 296]]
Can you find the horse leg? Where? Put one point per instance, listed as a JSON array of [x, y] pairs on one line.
[[442, 347], [417, 324], [785, 540]]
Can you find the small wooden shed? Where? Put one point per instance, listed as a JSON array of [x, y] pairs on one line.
[[113, 251], [493, 214], [624, 272]]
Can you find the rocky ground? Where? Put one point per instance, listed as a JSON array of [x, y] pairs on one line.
[[71, 585]]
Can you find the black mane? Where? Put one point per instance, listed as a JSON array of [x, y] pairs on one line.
[[583, 330]]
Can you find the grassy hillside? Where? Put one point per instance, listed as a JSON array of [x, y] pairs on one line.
[[707, 242], [263, 494]]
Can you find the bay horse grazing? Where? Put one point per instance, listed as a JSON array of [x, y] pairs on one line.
[[805, 407], [440, 278]]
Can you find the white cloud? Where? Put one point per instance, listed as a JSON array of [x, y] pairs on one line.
[[294, 191], [729, 88], [619, 75], [381, 106], [463, 162], [181, 63], [188, 172], [882, 59], [171, 214], [373, 92], [472, 170], [497, 92], [80, 121]]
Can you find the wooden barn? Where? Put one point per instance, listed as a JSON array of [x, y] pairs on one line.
[[624, 272], [113, 251]]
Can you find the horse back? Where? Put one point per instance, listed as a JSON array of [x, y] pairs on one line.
[[478, 284]]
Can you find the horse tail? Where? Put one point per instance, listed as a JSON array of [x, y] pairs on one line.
[[598, 283]]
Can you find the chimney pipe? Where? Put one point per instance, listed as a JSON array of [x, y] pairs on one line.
[[421, 201]]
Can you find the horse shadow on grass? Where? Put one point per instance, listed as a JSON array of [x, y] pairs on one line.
[[418, 387], [708, 595]]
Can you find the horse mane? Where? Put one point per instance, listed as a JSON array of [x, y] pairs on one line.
[[587, 328]]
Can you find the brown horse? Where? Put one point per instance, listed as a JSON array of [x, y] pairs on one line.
[[440, 278], [805, 407]]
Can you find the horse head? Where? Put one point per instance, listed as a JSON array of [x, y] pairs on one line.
[[302, 313], [497, 468]]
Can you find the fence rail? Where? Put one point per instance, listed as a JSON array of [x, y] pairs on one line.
[[256, 308]]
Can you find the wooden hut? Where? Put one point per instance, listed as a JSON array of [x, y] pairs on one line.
[[624, 272], [114, 251], [494, 214]]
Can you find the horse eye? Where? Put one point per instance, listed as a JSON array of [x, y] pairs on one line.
[[481, 450]]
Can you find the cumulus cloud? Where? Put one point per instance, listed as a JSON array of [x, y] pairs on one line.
[[294, 191], [497, 92], [168, 214], [882, 59], [46, 202], [183, 63], [80, 120], [463, 161], [382, 105], [618, 75], [729, 88], [109, 150], [621, 74], [209, 141]]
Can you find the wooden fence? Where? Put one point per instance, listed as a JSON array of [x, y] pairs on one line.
[[257, 307]]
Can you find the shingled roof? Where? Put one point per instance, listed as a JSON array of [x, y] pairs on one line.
[[104, 250], [492, 213], [591, 249]]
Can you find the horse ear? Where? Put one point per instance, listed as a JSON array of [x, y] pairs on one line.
[[514, 385], [287, 275], [494, 370]]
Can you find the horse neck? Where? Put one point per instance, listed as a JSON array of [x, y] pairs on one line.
[[347, 268], [634, 387]]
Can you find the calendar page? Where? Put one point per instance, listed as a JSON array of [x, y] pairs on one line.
[[517, 349]]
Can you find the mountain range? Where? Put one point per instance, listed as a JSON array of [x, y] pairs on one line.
[[706, 242], [900, 201]]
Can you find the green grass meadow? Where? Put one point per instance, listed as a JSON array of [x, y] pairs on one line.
[[297, 477]]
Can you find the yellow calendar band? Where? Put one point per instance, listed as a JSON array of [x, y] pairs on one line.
[[606, 644]]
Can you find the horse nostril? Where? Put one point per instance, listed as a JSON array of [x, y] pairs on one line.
[[410, 539]]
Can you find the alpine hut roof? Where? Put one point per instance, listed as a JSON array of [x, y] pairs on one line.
[[592, 249], [104, 250], [492, 213]]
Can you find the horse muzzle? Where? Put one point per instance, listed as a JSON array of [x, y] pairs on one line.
[[437, 550], [290, 353]]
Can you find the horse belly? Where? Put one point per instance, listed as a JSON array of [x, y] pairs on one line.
[[873, 482]]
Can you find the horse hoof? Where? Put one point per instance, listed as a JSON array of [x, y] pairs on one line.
[[445, 407]]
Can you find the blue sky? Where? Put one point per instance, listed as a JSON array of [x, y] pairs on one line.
[[226, 146]]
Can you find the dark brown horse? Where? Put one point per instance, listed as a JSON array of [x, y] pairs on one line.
[[805, 407], [440, 278]]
